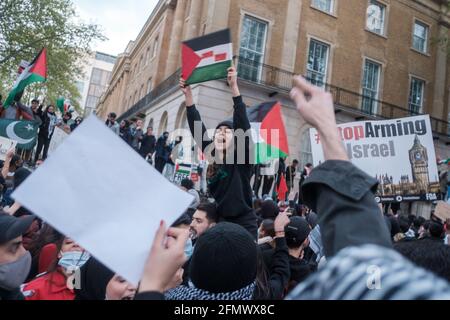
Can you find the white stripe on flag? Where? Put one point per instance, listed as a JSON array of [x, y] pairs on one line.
[[217, 50]]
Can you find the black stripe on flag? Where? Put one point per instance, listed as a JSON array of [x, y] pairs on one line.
[[209, 40], [259, 112]]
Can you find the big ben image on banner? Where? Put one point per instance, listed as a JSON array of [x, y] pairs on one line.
[[418, 157]]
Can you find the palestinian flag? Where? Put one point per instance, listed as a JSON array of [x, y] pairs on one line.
[[207, 58], [36, 71], [63, 105], [268, 132]]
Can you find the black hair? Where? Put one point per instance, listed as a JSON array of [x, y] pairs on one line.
[[418, 222], [436, 230], [35, 100], [269, 227], [403, 224], [113, 115], [187, 183], [183, 219], [428, 254], [211, 210], [295, 161], [308, 165]]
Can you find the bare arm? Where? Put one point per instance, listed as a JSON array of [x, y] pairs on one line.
[[7, 163]]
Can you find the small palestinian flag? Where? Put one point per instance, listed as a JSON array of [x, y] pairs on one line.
[[268, 132], [63, 105], [207, 58], [36, 71]]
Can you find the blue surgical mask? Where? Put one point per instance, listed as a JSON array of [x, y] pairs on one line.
[[73, 259], [188, 248]]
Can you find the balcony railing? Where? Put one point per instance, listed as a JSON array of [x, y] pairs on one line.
[[278, 79]]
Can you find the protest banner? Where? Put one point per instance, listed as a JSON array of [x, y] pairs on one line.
[[113, 200], [5, 145], [399, 153], [442, 211], [58, 137], [182, 171]]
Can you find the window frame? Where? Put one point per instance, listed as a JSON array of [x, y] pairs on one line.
[[332, 6], [427, 36], [264, 46], [328, 57], [410, 104], [385, 18], [376, 99]]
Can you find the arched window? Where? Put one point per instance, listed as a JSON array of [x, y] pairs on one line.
[[163, 123], [181, 121]]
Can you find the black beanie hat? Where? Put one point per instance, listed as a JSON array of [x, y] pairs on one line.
[[93, 280], [224, 259], [19, 176], [269, 210], [226, 123], [297, 231]]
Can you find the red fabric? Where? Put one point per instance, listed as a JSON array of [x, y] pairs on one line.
[[50, 286], [282, 189], [190, 61], [274, 121], [48, 255], [40, 65]]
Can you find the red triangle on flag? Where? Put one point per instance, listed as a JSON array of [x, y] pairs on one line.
[[274, 121], [190, 61], [282, 189], [40, 64]]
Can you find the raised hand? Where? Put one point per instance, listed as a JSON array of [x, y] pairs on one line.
[[187, 92], [232, 81]]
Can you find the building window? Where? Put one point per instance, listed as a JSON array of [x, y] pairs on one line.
[[149, 85], [324, 5], [370, 87], [376, 13], [420, 37], [155, 47], [318, 62], [306, 151], [105, 57], [147, 56], [252, 47], [416, 93], [91, 102]]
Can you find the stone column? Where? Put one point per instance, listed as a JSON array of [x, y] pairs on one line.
[[175, 39], [218, 13], [291, 31], [440, 76], [195, 14]]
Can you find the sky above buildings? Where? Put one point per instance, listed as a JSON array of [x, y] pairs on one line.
[[120, 20]]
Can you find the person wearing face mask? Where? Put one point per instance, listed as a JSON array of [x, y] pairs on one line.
[[15, 261], [230, 168], [97, 282], [57, 283]]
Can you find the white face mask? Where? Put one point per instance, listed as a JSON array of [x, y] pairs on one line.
[[73, 259]]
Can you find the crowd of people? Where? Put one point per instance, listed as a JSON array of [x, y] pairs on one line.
[[240, 242], [47, 121]]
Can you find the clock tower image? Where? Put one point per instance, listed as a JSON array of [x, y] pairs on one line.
[[418, 157]]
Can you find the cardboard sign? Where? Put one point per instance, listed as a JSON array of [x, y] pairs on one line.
[[442, 211], [5, 145]]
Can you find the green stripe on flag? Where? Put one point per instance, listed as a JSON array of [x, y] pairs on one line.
[[21, 87], [210, 72], [265, 153]]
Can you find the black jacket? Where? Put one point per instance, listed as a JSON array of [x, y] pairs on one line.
[[45, 124], [343, 197], [162, 150], [230, 186], [11, 295], [148, 145], [278, 272]]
